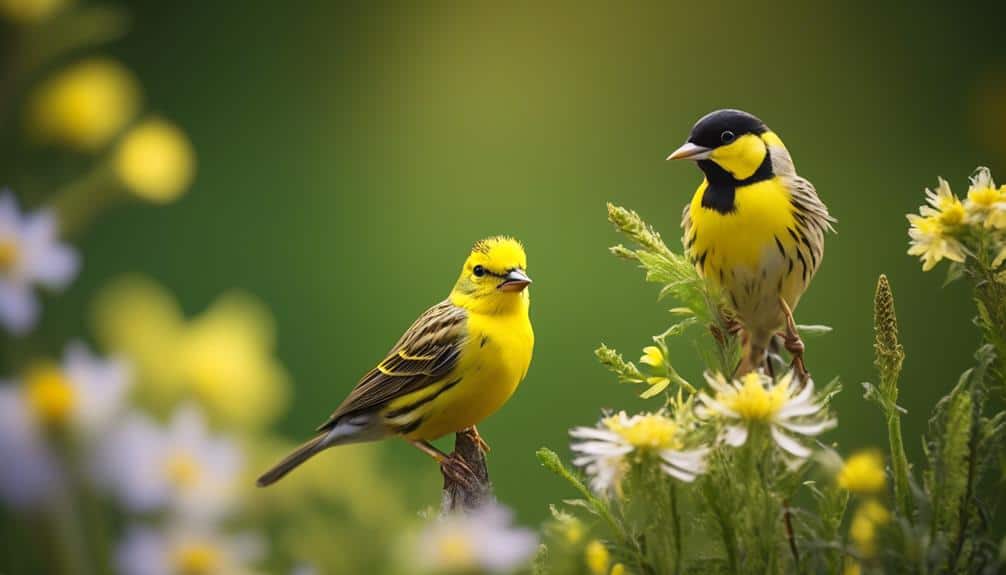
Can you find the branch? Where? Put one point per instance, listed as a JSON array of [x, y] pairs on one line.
[[473, 491]]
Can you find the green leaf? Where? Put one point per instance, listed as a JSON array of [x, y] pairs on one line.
[[809, 331]]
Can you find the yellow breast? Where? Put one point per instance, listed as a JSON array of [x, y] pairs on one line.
[[762, 215], [493, 362]]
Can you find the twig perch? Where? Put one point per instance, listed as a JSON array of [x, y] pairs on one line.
[[468, 495]]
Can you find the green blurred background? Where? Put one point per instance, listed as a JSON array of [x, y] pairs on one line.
[[350, 153]]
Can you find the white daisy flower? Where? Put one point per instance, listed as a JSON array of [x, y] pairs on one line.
[[180, 467], [604, 449], [30, 253], [189, 551], [787, 407], [84, 394], [480, 541]]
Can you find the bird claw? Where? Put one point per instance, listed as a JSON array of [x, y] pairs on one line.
[[473, 432], [456, 470]]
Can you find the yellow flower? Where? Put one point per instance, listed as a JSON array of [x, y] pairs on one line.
[[852, 567], [865, 523], [86, 105], [652, 356], [618, 569], [597, 558], [657, 384], [931, 243], [155, 161], [863, 473], [753, 401], [30, 11], [222, 357], [647, 431], [986, 205], [787, 407], [50, 394]]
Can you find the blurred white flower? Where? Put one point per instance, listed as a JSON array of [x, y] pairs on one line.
[[482, 540], [83, 395], [786, 406], [184, 550], [30, 253], [603, 449], [30, 472], [180, 467]]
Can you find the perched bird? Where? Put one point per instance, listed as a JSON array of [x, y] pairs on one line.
[[754, 227], [458, 363]]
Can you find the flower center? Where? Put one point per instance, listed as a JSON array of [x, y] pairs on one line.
[[455, 550], [753, 402], [985, 197], [197, 559], [50, 394], [183, 470], [649, 431], [952, 215], [8, 255]]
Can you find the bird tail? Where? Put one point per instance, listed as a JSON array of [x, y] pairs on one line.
[[290, 462]]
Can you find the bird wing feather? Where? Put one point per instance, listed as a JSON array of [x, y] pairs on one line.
[[425, 354]]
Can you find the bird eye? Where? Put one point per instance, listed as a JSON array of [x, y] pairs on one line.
[[479, 271], [727, 137]]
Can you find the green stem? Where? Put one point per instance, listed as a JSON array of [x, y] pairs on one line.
[[676, 527], [79, 202], [899, 466]]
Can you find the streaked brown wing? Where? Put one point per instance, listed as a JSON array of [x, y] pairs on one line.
[[426, 353]]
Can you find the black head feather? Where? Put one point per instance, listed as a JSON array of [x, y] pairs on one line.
[[723, 126]]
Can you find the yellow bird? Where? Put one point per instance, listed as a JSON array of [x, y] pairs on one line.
[[754, 227], [458, 363]]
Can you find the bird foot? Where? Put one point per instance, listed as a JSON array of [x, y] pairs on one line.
[[473, 432], [457, 471], [794, 345]]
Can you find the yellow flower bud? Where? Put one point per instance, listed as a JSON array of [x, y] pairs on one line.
[[155, 161], [618, 569], [84, 106], [863, 473]]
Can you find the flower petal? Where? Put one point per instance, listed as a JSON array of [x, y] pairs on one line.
[[789, 444]]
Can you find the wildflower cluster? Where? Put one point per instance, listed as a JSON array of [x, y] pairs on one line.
[[708, 480]]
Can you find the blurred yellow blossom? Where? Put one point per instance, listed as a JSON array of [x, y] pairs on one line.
[[155, 161], [852, 567], [30, 11], [618, 569], [869, 516], [863, 473], [86, 105], [223, 357], [597, 558]]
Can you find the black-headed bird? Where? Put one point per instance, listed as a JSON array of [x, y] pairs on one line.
[[458, 363], [754, 227]]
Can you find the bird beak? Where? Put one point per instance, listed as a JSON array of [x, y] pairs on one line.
[[690, 151], [515, 280]]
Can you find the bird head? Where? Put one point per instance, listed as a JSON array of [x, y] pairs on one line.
[[729, 145], [494, 277]]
